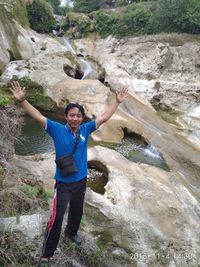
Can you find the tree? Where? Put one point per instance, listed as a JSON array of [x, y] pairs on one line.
[[176, 15], [86, 6], [40, 14]]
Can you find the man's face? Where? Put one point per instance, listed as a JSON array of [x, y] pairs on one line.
[[74, 117]]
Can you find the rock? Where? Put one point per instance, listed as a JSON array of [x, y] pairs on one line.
[[191, 121], [18, 68], [24, 43], [4, 54], [91, 94], [29, 225], [152, 210], [152, 65], [45, 67], [15, 40], [39, 166]]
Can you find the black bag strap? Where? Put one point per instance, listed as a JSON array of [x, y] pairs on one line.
[[76, 143]]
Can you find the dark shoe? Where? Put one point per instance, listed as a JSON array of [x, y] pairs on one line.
[[44, 263], [75, 238]]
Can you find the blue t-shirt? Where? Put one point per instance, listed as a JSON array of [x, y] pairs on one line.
[[64, 141]]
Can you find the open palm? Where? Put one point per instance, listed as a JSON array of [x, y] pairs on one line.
[[122, 94], [18, 91]]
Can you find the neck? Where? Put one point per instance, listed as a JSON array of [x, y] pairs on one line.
[[74, 130]]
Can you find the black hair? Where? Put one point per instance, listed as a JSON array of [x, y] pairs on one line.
[[74, 105]]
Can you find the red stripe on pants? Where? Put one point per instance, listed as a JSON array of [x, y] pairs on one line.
[[53, 216]]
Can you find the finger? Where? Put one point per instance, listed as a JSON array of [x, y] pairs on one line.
[[13, 86], [16, 86], [125, 89]]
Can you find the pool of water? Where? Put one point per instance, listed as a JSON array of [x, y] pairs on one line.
[[96, 180], [33, 138]]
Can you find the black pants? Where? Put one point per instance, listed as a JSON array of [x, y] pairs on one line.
[[72, 193]]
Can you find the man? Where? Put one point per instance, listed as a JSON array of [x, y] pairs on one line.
[[69, 139]]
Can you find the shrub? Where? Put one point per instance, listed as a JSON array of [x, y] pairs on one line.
[[5, 101], [192, 17], [176, 16], [30, 191], [86, 6], [134, 21], [105, 23], [40, 14]]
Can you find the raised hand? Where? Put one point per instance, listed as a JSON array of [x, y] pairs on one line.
[[121, 95], [18, 91]]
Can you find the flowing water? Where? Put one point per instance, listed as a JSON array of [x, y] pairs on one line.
[[85, 65]]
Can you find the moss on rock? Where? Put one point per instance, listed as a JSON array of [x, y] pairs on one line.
[[19, 13], [35, 94], [14, 9]]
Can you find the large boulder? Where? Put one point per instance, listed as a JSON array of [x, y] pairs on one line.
[[90, 93], [154, 212]]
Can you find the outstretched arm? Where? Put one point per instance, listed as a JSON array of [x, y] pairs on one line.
[[121, 95], [19, 95]]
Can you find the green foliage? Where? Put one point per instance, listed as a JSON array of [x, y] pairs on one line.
[[40, 14], [5, 101], [140, 17], [192, 17], [80, 22], [134, 21], [47, 194], [93, 5], [32, 87], [54, 3], [176, 16], [62, 10], [36, 192], [106, 23], [86, 6], [84, 220], [35, 94], [29, 190]]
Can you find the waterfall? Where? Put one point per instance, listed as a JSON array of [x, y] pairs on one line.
[[67, 44], [85, 65]]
